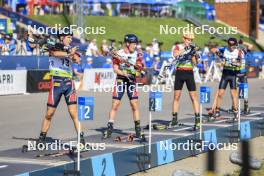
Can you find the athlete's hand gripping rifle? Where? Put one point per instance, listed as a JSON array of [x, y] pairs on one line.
[[186, 55], [127, 62]]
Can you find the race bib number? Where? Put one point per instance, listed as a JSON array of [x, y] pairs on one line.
[[62, 64]]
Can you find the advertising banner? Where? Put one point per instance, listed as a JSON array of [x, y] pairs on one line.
[[13, 82]]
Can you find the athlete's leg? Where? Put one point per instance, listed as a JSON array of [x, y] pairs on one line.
[[72, 109], [112, 115], [118, 93], [135, 109], [133, 97], [175, 107], [212, 111], [178, 85], [54, 97], [195, 103], [115, 105], [246, 106], [221, 91], [176, 101], [191, 86], [136, 117], [220, 96], [234, 95], [47, 119]]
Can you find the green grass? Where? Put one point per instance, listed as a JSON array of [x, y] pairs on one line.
[[50, 20], [146, 28], [246, 39]]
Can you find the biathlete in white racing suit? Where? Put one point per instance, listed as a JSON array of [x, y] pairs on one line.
[[126, 69]]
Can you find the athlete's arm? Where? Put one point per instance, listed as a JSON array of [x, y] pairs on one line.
[[239, 59], [219, 52], [75, 57], [118, 71], [248, 45], [194, 60], [139, 62], [59, 54], [177, 51]]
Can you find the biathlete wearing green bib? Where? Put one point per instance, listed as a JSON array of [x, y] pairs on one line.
[[230, 71], [184, 70], [61, 82]]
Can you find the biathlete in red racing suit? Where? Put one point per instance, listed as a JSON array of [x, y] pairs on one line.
[[127, 63]]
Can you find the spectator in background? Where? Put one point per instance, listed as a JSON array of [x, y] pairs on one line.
[[78, 75], [77, 70], [156, 68], [20, 45], [89, 63], [92, 49], [206, 51], [29, 47], [173, 47], [155, 47], [108, 63], [172, 67], [5, 47], [97, 9], [71, 9], [9, 46], [203, 67], [139, 45], [118, 8], [109, 9], [112, 44], [147, 60], [104, 48], [2, 41], [120, 46], [12, 45], [149, 50]]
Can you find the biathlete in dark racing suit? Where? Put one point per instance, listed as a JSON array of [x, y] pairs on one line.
[[62, 84], [242, 73], [232, 57], [185, 54]]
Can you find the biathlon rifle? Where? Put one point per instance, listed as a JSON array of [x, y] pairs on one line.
[[186, 56]]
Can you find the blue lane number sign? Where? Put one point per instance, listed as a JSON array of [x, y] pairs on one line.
[[85, 108], [205, 94], [155, 101], [243, 91]]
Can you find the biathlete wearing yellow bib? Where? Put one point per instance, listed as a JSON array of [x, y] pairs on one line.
[[230, 71], [61, 82], [184, 70]]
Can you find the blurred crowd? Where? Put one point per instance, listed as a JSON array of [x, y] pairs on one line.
[[95, 9], [14, 44]]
